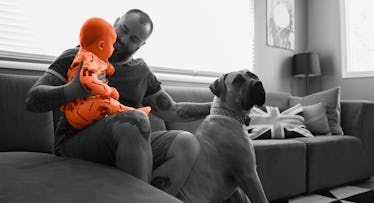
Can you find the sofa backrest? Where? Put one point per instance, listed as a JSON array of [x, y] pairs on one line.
[[22, 130], [278, 99]]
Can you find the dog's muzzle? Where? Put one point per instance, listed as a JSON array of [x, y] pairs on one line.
[[255, 95]]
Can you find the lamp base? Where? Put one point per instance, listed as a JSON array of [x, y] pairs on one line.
[[307, 91]]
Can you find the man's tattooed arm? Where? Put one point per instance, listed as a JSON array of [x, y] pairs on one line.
[[167, 109], [46, 94], [51, 92]]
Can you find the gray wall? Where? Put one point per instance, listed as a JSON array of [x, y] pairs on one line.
[[273, 65], [324, 37]]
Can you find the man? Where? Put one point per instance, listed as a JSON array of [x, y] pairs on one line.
[[124, 139]]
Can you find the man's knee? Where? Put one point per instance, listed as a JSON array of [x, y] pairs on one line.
[[186, 146], [129, 122]]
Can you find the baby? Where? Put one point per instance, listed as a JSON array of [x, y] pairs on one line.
[[97, 38]]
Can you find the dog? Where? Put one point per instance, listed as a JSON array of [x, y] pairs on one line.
[[226, 159]]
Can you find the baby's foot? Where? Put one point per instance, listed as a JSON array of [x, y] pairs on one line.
[[146, 109]]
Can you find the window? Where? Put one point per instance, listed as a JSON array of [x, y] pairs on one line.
[[192, 36], [357, 38]]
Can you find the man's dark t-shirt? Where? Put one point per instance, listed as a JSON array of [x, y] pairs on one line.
[[133, 80]]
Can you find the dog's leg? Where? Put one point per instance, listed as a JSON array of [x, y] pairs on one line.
[[251, 185], [249, 180]]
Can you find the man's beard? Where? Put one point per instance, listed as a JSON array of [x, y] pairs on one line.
[[121, 55]]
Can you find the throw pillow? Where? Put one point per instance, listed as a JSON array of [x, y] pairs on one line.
[[271, 124], [331, 98], [316, 119]]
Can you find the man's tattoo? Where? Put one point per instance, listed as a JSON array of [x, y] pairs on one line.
[[161, 182], [187, 111], [163, 102], [136, 119], [193, 111]]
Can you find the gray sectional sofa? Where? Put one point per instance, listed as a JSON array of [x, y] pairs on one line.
[[29, 172]]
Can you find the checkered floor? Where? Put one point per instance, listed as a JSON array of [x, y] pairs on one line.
[[359, 193]]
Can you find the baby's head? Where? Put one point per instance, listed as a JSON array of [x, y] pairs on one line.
[[98, 36]]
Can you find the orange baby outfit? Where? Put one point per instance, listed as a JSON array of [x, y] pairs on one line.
[[84, 111]]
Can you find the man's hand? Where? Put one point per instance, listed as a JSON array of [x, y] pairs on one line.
[[164, 107], [102, 78], [74, 88]]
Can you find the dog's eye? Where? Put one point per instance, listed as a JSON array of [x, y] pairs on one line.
[[238, 80]]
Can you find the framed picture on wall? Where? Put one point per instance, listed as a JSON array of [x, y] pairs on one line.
[[281, 23]]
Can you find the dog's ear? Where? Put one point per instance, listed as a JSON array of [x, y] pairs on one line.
[[218, 86]]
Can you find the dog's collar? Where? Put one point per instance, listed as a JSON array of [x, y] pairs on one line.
[[243, 119]]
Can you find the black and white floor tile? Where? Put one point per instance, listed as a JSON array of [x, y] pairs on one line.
[[358, 193]]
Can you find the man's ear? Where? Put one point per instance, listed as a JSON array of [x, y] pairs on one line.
[[218, 86], [115, 22]]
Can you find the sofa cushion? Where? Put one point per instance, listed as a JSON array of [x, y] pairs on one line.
[[42, 177], [271, 124], [22, 130], [278, 99], [316, 119], [281, 166], [334, 160], [331, 98]]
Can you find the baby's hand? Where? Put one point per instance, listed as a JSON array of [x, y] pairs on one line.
[[114, 93]]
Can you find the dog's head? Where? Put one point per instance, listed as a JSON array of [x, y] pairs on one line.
[[241, 89]]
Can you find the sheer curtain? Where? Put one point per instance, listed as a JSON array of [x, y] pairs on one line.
[[190, 36]]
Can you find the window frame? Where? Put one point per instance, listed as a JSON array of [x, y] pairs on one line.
[[345, 46]]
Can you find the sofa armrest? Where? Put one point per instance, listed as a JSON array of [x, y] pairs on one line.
[[357, 118]]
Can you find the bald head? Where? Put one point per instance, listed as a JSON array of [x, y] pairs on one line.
[[142, 17], [133, 29]]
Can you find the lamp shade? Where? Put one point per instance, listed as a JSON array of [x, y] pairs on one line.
[[306, 65]]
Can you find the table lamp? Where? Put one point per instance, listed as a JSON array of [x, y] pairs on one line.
[[306, 65]]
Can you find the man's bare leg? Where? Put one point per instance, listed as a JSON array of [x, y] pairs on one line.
[[134, 152]]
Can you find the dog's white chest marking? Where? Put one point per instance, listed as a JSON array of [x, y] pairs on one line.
[[245, 130]]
